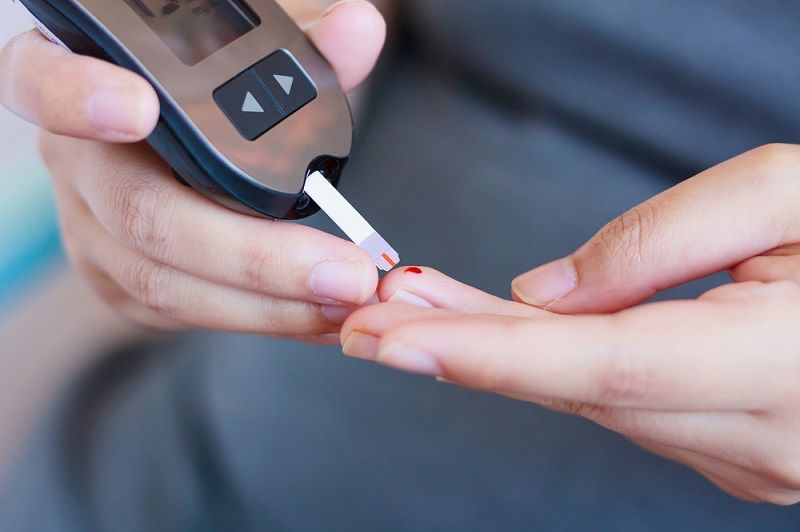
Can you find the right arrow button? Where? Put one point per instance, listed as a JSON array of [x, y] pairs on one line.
[[285, 82], [289, 85]]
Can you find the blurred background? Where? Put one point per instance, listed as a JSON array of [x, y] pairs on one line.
[[45, 337]]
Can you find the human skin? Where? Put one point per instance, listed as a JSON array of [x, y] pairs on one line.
[[713, 383], [159, 252]]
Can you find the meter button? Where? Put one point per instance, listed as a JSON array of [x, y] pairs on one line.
[[248, 106], [287, 82]]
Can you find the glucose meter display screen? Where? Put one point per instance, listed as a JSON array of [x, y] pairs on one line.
[[195, 29]]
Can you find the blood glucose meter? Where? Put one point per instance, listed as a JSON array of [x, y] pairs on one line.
[[249, 108]]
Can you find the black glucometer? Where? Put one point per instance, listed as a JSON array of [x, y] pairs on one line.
[[249, 108]]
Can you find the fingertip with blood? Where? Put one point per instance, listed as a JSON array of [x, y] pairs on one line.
[[413, 281]]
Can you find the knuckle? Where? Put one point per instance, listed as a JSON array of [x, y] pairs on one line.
[[150, 283], [627, 238], [259, 264], [141, 210]]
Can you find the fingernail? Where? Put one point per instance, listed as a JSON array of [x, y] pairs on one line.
[[408, 358], [407, 298], [344, 281], [547, 284], [361, 345], [336, 315], [116, 110]]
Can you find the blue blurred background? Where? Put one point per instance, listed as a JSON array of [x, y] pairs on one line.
[[28, 233], [51, 324]]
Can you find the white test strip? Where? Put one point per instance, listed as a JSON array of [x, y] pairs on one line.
[[41, 27], [351, 222]]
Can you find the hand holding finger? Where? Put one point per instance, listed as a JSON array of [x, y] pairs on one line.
[[708, 383], [649, 357]]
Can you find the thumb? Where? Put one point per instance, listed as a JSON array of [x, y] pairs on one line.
[[712, 222]]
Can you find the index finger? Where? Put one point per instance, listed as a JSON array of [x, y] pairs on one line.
[[693, 355]]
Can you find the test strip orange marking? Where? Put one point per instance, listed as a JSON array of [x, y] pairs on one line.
[[388, 259]]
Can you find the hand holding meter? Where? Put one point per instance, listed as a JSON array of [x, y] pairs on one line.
[[249, 108]]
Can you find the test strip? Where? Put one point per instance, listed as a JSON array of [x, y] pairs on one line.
[[351, 222]]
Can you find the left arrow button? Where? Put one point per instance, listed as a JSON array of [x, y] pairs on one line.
[[248, 105], [251, 105]]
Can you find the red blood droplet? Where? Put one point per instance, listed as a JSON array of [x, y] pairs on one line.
[[414, 270]]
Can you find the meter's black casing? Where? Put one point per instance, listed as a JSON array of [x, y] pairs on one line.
[[321, 143]]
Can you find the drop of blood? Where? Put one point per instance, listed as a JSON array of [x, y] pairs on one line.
[[414, 270]]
